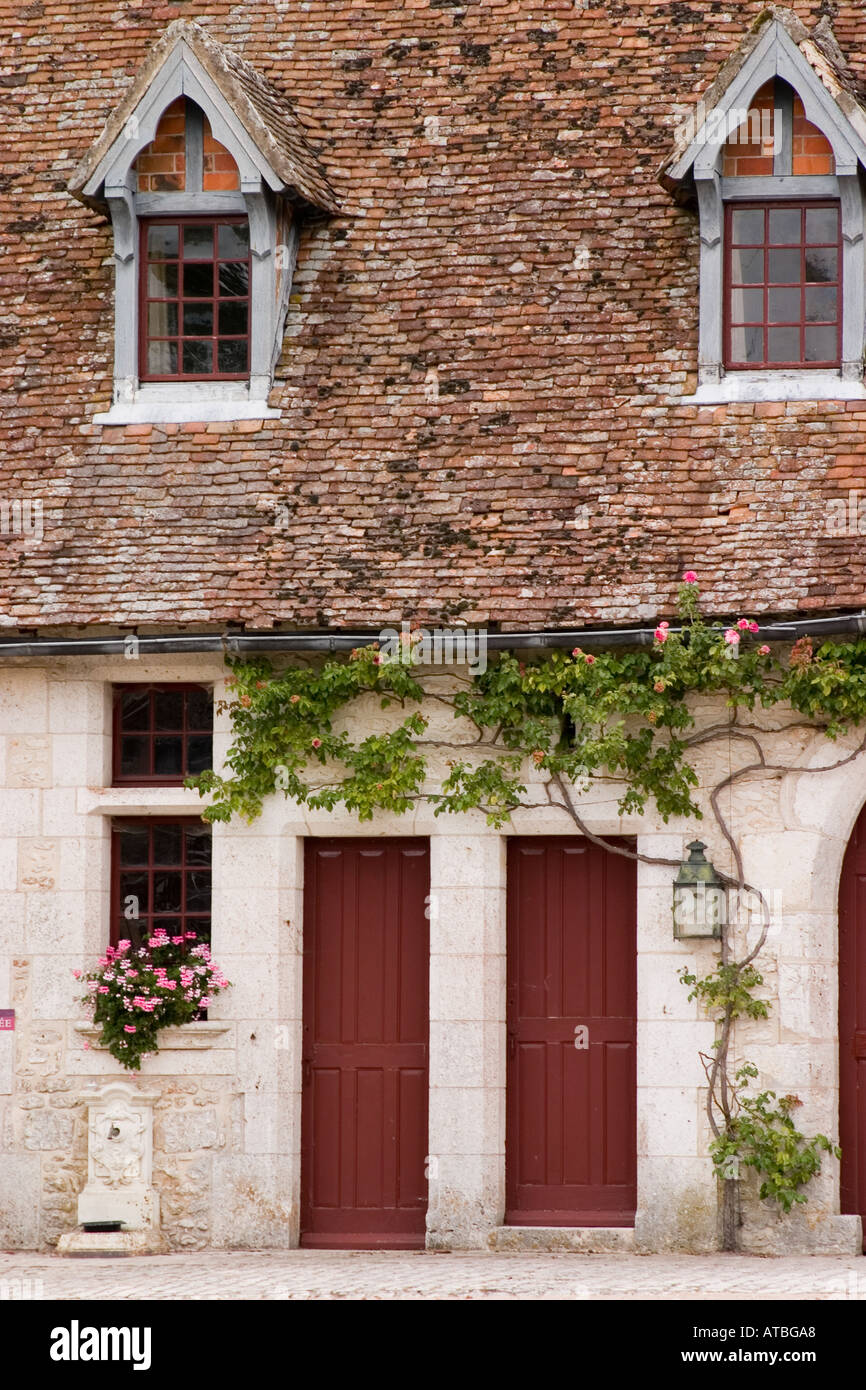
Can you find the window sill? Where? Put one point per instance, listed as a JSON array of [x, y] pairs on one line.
[[184, 1037], [189, 403], [777, 386]]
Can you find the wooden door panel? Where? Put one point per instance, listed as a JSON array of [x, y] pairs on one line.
[[571, 1112], [365, 1095], [852, 1024]]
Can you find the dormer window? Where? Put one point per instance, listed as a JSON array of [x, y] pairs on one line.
[[772, 162], [206, 173]]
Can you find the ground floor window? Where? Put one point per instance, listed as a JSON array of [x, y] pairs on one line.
[[161, 877]]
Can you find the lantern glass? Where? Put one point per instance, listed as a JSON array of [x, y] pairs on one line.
[[700, 901]]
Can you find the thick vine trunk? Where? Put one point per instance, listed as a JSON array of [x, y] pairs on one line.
[[730, 1213]]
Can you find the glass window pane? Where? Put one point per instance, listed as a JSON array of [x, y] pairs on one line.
[[199, 753], [747, 306], [785, 226], [822, 345], [199, 709], [233, 317], [747, 344], [783, 266], [822, 224], [198, 281], [129, 931], [166, 844], [133, 840], [232, 355], [166, 892], [162, 358], [162, 241], [784, 306], [134, 886], [197, 356], [783, 345], [168, 709], [747, 267], [198, 844], [198, 242], [198, 318], [162, 319], [234, 278], [747, 226], [233, 240], [168, 755], [134, 756], [198, 886], [821, 263], [820, 304], [201, 927], [162, 280], [135, 709]]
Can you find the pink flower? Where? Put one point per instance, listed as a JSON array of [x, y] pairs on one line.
[[690, 577], [317, 743], [103, 989], [764, 651], [177, 941], [190, 935], [129, 1028], [743, 624], [577, 652], [664, 625], [731, 637], [590, 660], [293, 699], [123, 946], [86, 1045], [77, 974], [753, 627], [661, 634]]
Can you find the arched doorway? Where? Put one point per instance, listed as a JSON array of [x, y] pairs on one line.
[[852, 1022]]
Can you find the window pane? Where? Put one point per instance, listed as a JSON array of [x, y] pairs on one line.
[[199, 753], [129, 931], [821, 263], [201, 927], [820, 304], [234, 278], [168, 709], [747, 306], [232, 355], [134, 886], [198, 242], [198, 844], [134, 756], [233, 318], [198, 281], [135, 709], [166, 892], [785, 226], [783, 345], [166, 844], [821, 345], [199, 709], [784, 306], [783, 266], [168, 755], [198, 886], [747, 267], [197, 357], [747, 344], [822, 224], [162, 280], [198, 318], [233, 240], [162, 358], [162, 319], [133, 841], [162, 241], [747, 226]]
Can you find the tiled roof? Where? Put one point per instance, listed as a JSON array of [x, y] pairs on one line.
[[484, 356]]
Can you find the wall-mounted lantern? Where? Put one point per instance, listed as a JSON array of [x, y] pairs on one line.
[[700, 904]]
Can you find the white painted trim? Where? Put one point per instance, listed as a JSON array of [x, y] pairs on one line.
[[147, 411], [776, 386]]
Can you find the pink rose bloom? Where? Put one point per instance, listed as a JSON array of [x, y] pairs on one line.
[[317, 743], [690, 577], [293, 699], [129, 1028], [664, 625], [590, 660], [577, 652], [753, 627], [661, 634], [732, 637], [743, 624], [764, 651]]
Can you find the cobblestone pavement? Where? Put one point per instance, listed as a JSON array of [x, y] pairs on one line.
[[313, 1274]]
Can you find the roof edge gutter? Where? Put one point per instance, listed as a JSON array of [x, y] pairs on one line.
[[238, 643]]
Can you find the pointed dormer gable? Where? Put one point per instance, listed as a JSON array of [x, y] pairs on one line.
[[247, 114]]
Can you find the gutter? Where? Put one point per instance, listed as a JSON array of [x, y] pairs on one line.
[[236, 643]]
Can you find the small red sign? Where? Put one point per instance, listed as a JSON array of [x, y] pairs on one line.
[[7, 1020]]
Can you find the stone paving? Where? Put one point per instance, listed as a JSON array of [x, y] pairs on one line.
[[313, 1274]]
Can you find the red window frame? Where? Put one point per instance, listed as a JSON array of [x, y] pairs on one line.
[[122, 876], [151, 733], [180, 299], [768, 206]]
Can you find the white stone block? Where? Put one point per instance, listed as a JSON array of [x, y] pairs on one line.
[[467, 861]]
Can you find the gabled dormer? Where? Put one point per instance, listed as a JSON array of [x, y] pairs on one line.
[[773, 158], [205, 172]]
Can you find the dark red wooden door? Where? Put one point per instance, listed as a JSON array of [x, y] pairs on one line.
[[364, 1110], [571, 1148], [852, 1023]]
